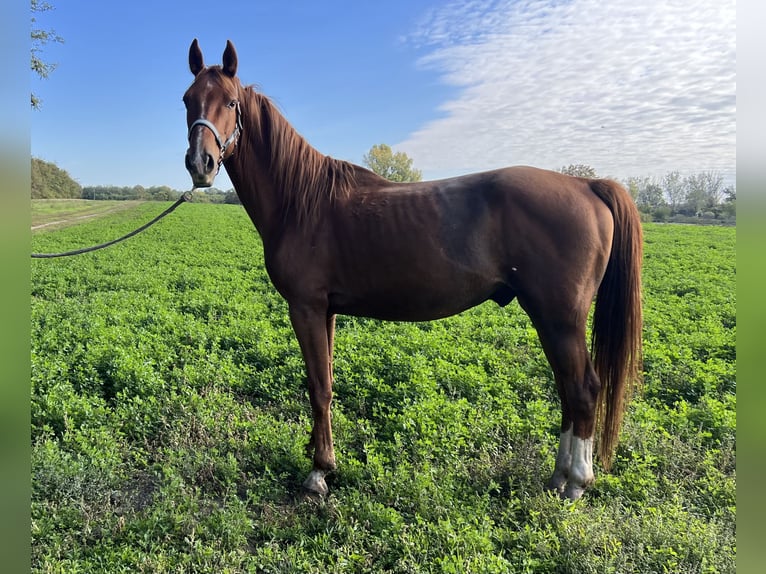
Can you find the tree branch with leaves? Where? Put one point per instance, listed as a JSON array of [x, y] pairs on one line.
[[41, 37]]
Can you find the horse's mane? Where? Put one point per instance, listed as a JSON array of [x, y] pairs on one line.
[[308, 179]]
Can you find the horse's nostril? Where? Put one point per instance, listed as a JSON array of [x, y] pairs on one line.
[[199, 162]]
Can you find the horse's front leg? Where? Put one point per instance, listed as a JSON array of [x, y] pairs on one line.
[[312, 325]]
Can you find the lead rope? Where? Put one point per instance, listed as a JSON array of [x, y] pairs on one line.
[[187, 196]]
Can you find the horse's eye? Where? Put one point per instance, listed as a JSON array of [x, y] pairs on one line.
[[232, 104]]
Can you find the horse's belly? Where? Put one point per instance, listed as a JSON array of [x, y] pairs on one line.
[[423, 304]]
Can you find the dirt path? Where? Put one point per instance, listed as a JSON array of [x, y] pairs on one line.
[[65, 217]]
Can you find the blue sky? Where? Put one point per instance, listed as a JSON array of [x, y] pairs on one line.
[[459, 86]]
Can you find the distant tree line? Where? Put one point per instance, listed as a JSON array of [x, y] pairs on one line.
[[215, 195], [51, 182], [156, 193], [695, 198]]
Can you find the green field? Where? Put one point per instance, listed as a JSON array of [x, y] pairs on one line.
[[170, 418]]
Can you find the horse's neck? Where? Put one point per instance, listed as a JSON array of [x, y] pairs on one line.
[[270, 173], [256, 192]]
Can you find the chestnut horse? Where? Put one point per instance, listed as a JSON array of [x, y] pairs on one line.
[[337, 238]]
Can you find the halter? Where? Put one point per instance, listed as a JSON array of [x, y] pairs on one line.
[[222, 145]]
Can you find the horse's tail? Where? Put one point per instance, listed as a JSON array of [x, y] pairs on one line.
[[617, 319]]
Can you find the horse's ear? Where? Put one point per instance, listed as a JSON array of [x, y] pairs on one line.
[[196, 62], [230, 60]]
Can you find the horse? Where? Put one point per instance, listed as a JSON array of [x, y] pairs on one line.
[[339, 239]]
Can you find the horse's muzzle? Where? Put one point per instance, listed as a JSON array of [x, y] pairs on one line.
[[201, 166]]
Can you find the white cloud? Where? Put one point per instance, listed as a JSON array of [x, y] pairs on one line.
[[630, 89]]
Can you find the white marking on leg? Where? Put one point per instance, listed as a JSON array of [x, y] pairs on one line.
[[315, 483], [581, 470], [563, 462]]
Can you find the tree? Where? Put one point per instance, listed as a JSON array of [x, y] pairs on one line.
[[714, 190], [650, 196], [48, 181], [40, 38], [675, 189], [729, 207], [634, 184], [578, 170], [646, 192], [704, 190], [231, 197], [393, 166]]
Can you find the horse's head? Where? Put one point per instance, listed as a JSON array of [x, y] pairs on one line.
[[212, 114]]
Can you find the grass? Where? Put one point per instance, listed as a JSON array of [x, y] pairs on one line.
[[170, 418]]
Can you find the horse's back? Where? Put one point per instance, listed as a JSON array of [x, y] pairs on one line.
[[507, 217]]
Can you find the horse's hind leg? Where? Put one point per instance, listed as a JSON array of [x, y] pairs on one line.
[[578, 386]]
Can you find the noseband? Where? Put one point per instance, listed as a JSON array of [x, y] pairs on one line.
[[222, 145]]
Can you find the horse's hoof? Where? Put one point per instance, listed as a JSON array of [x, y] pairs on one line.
[[315, 484], [557, 483], [573, 492]]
